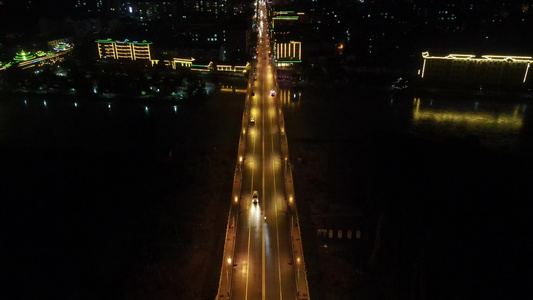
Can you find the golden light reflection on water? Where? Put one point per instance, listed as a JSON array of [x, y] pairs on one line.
[[471, 120], [289, 98], [231, 89]]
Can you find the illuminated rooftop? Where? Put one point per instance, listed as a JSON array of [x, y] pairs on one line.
[[23, 56], [501, 58], [126, 41]]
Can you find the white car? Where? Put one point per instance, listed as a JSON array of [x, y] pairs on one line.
[[255, 197], [272, 93], [252, 120]]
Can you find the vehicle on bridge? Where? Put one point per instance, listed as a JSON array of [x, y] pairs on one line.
[[255, 197]]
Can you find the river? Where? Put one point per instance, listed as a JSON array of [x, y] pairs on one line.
[[76, 175]]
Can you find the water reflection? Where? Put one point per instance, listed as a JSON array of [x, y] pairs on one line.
[[289, 98], [232, 89], [493, 123]]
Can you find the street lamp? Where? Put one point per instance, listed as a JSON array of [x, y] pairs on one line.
[[227, 274]]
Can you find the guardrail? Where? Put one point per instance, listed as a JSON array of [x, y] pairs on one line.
[[228, 258]]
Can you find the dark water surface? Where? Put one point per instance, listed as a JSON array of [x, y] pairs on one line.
[[77, 180], [84, 185], [450, 176]]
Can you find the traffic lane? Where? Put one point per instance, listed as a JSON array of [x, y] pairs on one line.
[[253, 285], [283, 224], [248, 275], [282, 273], [255, 280], [242, 242], [247, 249], [245, 256], [274, 197], [248, 257], [272, 242], [255, 275], [288, 280], [241, 259], [255, 269], [271, 237]]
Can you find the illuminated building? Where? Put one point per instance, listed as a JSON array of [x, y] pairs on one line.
[[287, 25], [287, 33], [286, 17], [53, 44], [288, 53], [4, 66], [27, 60], [124, 49], [467, 69], [141, 51], [63, 47], [23, 56], [175, 62]]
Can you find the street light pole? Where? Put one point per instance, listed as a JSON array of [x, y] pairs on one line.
[[227, 275]]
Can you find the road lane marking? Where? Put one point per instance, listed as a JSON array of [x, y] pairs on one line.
[[276, 210], [253, 166], [250, 223], [263, 192], [277, 227], [248, 262]]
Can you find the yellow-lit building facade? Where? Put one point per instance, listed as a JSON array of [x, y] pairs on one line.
[[288, 53], [124, 49], [467, 69]]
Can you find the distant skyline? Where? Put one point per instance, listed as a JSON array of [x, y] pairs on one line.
[[381, 32]]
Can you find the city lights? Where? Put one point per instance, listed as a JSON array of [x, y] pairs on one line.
[[124, 49], [491, 69]]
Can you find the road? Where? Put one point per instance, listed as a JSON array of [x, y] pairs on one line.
[[262, 255]]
